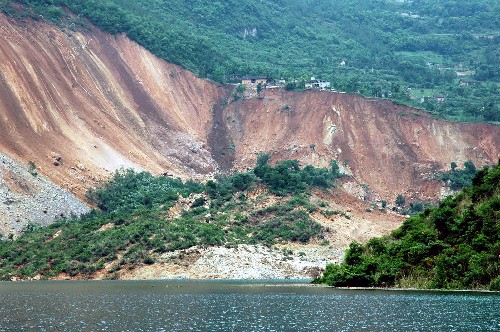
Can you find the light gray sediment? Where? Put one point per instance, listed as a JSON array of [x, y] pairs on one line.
[[29, 198]]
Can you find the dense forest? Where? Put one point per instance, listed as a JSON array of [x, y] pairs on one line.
[[140, 216], [454, 246], [409, 51]]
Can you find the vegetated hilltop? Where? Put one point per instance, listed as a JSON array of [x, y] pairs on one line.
[[455, 245], [286, 219], [79, 105], [410, 51]]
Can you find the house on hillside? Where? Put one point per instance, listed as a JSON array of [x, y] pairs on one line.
[[253, 81], [281, 82], [439, 99], [317, 84], [466, 82], [465, 73]]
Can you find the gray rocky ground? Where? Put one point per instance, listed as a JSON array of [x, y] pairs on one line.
[[290, 261], [27, 197]]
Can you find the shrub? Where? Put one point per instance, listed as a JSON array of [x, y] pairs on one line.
[[452, 246], [459, 179], [287, 177]]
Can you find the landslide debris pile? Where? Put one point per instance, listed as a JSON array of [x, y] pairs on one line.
[[453, 246], [28, 198], [142, 216]]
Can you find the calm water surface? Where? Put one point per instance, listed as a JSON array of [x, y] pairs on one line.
[[237, 306]]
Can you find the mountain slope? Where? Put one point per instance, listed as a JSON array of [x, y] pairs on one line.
[[98, 102], [163, 227], [391, 148]]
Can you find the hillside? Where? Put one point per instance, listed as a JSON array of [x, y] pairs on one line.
[[274, 222], [388, 148], [409, 51], [79, 105], [97, 103], [455, 245]]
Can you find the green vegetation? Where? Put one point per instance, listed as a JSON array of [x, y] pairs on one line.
[[459, 179], [400, 200], [453, 246], [239, 91], [413, 208], [403, 50], [287, 177], [141, 216], [32, 168]]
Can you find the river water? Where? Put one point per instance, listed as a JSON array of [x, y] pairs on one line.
[[237, 306]]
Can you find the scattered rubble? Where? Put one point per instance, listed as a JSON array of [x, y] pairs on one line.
[[241, 262], [27, 198]]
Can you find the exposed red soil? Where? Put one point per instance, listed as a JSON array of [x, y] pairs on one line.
[[95, 102], [391, 148], [99, 102]]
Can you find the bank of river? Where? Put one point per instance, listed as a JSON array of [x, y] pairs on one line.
[[237, 306]]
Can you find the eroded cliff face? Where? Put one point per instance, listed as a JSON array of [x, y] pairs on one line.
[[82, 104], [389, 149]]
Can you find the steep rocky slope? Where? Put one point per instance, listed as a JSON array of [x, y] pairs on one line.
[[96, 103], [390, 149], [27, 197], [82, 104]]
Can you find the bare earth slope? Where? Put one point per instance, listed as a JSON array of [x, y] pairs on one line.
[[390, 148], [82, 104], [97, 102]]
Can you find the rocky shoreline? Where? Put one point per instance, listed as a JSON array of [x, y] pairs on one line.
[[241, 262]]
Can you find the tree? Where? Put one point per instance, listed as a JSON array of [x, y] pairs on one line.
[[219, 74], [400, 200], [240, 90], [335, 168], [290, 86], [491, 112], [470, 167], [259, 89]]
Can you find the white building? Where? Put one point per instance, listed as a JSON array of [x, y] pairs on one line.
[[317, 84]]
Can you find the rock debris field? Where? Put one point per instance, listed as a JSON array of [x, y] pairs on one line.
[[28, 197]]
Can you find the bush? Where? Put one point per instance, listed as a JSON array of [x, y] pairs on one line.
[[452, 246], [459, 179], [400, 200], [287, 177], [495, 285]]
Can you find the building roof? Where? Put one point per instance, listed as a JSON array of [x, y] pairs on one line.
[[254, 78], [467, 80]]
